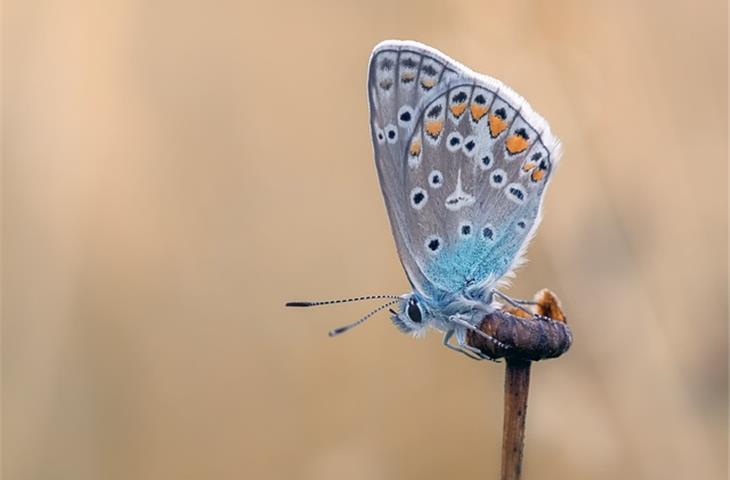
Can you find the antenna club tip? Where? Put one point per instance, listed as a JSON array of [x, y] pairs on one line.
[[298, 304], [337, 331]]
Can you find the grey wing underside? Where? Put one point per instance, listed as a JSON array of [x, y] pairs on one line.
[[463, 162]]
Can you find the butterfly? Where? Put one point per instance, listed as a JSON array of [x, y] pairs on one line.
[[463, 162]]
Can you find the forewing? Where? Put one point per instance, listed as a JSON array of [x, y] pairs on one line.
[[401, 77], [463, 180]]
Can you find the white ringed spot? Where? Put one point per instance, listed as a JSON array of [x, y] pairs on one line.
[[379, 134], [454, 141], [485, 162], [488, 232], [466, 229], [469, 146], [433, 244], [498, 178], [435, 179], [418, 197], [516, 192], [391, 133], [405, 116]]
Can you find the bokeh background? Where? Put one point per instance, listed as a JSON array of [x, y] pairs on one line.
[[173, 172]]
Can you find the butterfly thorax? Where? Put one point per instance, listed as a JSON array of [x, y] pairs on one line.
[[418, 312]]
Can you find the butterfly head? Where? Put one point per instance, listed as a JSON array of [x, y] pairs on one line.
[[413, 315]]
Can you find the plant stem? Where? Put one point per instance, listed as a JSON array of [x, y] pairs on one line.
[[521, 339], [516, 388]]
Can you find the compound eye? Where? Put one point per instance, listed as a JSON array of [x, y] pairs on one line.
[[414, 311]]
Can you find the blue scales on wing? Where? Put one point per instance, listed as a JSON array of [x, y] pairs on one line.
[[463, 163]]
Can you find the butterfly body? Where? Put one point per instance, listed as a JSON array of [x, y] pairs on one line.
[[440, 313]]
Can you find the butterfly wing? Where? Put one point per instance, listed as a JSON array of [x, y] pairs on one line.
[[400, 79], [463, 163]]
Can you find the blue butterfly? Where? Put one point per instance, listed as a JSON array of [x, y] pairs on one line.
[[463, 162]]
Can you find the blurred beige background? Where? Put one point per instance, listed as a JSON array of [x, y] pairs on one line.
[[173, 172]]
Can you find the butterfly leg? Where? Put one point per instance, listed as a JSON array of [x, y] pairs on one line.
[[469, 351], [481, 355], [519, 304], [462, 322], [447, 338]]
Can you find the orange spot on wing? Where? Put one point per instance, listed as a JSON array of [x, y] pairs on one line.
[[478, 111], [408, 76], [528, 166], [415, 149], [434, 128], [496, 125], [458, 109], [537, 174], [428, 83], [516, 144]]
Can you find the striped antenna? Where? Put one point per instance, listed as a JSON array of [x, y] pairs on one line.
[[340, 330], [341, 300]]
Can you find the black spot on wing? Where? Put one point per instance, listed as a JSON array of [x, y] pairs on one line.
[[409, 63], [430, 71], [517, 193], [459, 97], [488, 233], [435, 179], [435, 111]]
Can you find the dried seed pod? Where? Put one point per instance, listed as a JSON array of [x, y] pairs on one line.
[[544, 335]]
